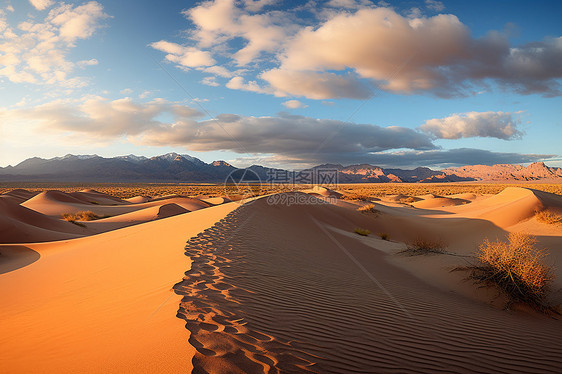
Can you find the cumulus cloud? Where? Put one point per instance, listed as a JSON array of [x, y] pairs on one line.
[[219, 21], [499, 125], [101, 117], [187, 57], [284, 134], [238, 83], [36, 52], [41, 4], [288, 135], [315, 85], [359, 43], [294, 104]]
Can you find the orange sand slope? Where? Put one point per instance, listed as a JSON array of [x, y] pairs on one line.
[[36, 217], [288, 291], [101, 304]]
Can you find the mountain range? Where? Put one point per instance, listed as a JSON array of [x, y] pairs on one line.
[[173, 167]]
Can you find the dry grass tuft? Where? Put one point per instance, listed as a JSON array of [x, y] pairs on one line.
[[424, 246], [548, 217], [516, 268], [384, 236], [80, 216], [368, 209], [363, 232]]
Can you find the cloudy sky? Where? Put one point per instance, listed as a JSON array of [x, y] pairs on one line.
[[283, 83]]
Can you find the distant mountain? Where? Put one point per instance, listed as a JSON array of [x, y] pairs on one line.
[[506, 172], [174, 167]]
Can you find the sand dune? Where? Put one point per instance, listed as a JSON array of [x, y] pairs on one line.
[[356, 312], [216, 200], [20, 224], [271, 287], [19, 195], [56, 203], [102, 304], [95, 197], [146, 214], [438, 202], [138, 199], [510, 207]]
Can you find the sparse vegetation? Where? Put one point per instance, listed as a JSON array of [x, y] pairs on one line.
[[384, 236], [362, 191], [363, 232], [80, 216], [368, 209], [516, 268], [424, 246], [409, 200], [354, 196], [548, 217]]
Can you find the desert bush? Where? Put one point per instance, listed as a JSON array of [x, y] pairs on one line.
[[408, 200], [516, 268], [363, 232], [368, 209], [354, 196], [424, 245], [548, 217], [384, 236], [80, 216]]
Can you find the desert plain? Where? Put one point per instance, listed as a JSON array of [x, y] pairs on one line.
[[354, 278]]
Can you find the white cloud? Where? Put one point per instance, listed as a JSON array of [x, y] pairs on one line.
[[126, 91], [145, 94], [101, 117], [434, 5], [315, 85], [188, 57], [90, 62], [219, 70], [41, 4], [36, 52], [210, 81], [355, 45], [219, 21], [499, 125], [238, 83], [10, 8], [294, 104]]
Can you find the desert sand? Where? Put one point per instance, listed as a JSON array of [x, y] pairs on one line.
[[278, 284], [99, 304]]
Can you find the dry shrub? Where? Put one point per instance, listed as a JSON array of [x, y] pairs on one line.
[[354, 196], [368, 209], [408, 200], [516, 268], [424, 246], [80, 216], [548, 217], [363, 232], [384, 236]]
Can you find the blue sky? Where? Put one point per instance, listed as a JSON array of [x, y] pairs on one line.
[[283, 83]]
